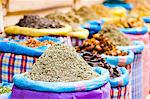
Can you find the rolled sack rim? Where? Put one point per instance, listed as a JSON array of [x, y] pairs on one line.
[[146, 19], [16, 30], [137, 47], [135, 31], [120, 60], [121, 81], [127, 6], [25, 83]]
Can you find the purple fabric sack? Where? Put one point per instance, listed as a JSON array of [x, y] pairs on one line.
[[101, 93]]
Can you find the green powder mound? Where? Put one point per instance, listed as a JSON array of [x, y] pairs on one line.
[[117, 37], [61, 63]]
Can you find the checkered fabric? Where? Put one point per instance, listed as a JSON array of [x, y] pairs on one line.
[[76, 41], [11, 64], [136, 80], [120, 93], [65, 39]]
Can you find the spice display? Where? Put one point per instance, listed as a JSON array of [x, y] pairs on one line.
[[100, 45], [4, 90], [87, 13], [69, 17], [115, 36], [34, 21], [97, 60], [101, 10], [61, 63], [129, 22], [35, 43]]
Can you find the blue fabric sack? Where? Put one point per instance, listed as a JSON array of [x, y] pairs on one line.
[[120, 60], [23, 82], [146, 19], [135, 31], [124, 5], [96, 22], [121, 81], [136, 47], [11, 46]]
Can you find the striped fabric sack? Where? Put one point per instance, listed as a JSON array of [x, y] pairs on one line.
[[119, 85], [145, 59], [76, 41], [13, 61], [122, 80], [120, 93], [136, 80], [65, 39], [11, 64], [136, 69], [120, 60]]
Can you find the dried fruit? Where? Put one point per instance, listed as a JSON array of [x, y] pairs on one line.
[[35, 43], [97, 60], [129, 22], [100, 45]]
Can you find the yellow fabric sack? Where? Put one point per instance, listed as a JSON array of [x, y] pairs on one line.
[[16, 30], [79, 33]]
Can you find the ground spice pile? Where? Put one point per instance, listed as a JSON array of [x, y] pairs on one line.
[[61, 63], [35, 21], [117, 37]]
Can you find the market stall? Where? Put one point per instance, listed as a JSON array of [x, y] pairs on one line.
[[78, 50]]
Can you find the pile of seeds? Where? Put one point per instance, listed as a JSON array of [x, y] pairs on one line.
[[61, 63], [97, 60], [100, 45], [34, 21], [35, 43], [117, 37]]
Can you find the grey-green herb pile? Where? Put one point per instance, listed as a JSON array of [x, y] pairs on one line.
[[61, 63], [117, 37]]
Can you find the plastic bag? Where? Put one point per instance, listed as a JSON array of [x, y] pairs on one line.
[[25, 83]]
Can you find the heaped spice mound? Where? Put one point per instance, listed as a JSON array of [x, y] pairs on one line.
[[61, 63], [35, 21], [117, 37]]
